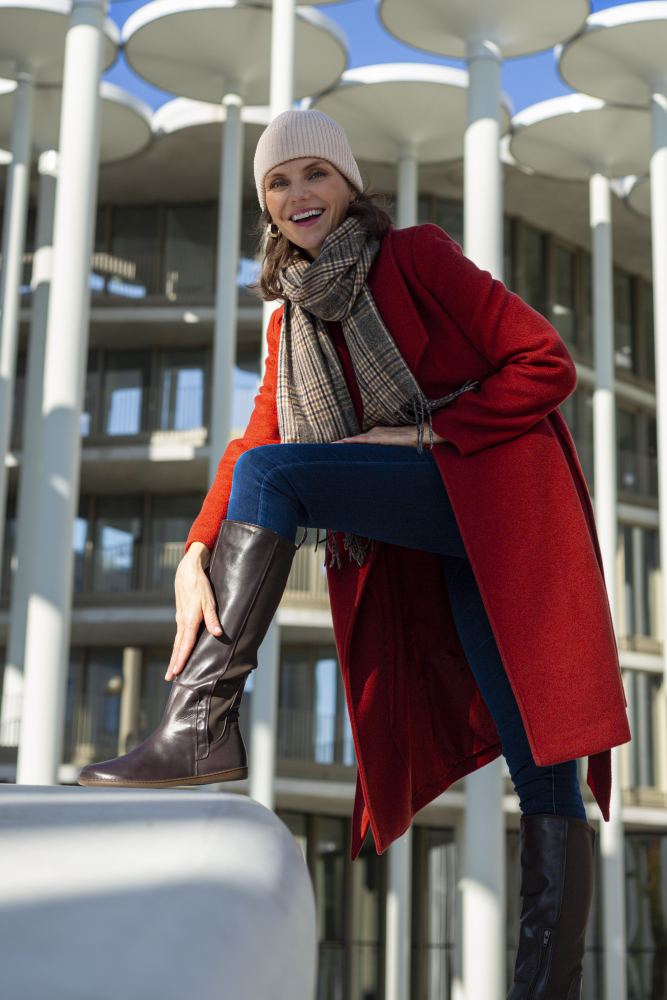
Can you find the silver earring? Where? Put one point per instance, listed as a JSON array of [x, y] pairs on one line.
[[271, 229]]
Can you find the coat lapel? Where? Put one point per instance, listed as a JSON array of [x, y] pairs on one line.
[[396, 305]]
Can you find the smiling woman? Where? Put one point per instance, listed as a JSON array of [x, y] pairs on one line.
[[384, 333], [304, 199]]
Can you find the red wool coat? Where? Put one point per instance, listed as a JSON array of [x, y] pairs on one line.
[[511, 471]]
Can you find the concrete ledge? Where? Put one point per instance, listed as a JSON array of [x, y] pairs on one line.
[[139, 894]]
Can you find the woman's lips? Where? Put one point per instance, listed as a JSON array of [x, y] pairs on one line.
[[311, 220]]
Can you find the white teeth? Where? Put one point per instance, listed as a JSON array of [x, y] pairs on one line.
[[305, 215]]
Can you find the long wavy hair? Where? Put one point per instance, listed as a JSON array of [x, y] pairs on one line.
[[275, 254]]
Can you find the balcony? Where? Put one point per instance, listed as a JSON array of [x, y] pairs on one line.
[[114, 573], [313, 743], [136, 414]]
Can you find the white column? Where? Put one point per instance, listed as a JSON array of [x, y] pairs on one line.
[[13, 245], [49, 606], [399, 924], [482, 183], [128, 723], [264, 719], [31, 440], [226, 291], [283, 52], [659, 248], [483, 881], [407, 186], [283, 25], [610, 840]]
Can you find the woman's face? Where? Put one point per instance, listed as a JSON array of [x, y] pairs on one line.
[[312, 186]]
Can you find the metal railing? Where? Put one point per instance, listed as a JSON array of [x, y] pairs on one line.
[[131, 567], [149, 568], [133, 410], [317, 737], [136, 411]]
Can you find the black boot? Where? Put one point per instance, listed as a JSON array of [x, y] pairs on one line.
[[557, 855], [198, 739]]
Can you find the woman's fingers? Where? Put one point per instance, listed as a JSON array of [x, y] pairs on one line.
[[186, 638], [194, 602]]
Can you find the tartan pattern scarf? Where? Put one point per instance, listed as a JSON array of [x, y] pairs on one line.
[[313, 401]]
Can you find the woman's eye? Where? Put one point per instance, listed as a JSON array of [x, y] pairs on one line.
[[316, 172]]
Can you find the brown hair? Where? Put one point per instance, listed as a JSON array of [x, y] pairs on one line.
[[370, 207]]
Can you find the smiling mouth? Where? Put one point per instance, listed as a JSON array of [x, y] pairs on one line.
[[309, 219]]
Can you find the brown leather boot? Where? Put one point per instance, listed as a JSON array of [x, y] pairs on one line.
[[198, 739], [557, 867]]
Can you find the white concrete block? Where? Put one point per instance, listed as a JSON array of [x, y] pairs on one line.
[[182, 893]]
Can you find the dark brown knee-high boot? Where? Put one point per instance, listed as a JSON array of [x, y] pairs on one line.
[[557, 867], [198, 739]]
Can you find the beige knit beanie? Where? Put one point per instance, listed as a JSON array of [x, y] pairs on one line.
[[304, 132]]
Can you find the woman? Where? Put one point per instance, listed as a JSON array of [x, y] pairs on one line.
[[408, 406]]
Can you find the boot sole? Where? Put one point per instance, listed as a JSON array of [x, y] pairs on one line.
[[234, 774]]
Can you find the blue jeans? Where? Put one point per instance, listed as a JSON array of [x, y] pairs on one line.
[[395, 494]]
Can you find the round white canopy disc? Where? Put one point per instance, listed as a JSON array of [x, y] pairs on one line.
[[517, 27]]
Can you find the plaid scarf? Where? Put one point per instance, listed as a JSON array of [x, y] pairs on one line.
[[313, 400]]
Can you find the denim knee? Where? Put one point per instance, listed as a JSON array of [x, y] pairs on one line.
[[262, 494], [252, 465]]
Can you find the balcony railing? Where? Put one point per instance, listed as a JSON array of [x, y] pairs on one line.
[[139, 566], [149, 568], [137, 412], [133, 411], [92, 722], [316, 737], [149, 275]]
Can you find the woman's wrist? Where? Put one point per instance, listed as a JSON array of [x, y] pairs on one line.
[[199, 553]]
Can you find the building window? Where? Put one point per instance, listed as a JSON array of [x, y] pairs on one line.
[[125, 382], [640, 606], [189, 253], [433, 912], [350, 904], [647, 329], [93, 711], [135, 245], [331, 899], [170, 519], [643, 691], [563, 314], [443, 212], [178, 401], [586, 306], [625, 346], [534, 269], [577, 411], [646, 914], [313, 724], [116, 536]]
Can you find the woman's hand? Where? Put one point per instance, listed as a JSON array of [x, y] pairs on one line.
[[406, 435], [194, 601]]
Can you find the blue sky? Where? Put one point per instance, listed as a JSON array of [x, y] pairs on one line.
[[526, 80]]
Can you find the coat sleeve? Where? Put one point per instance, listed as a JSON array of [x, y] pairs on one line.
[[262, 429], [534, 370]]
